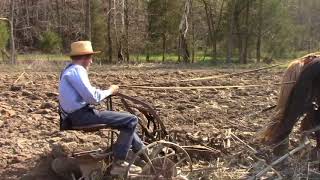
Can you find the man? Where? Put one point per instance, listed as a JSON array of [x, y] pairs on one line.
[[75, 96]]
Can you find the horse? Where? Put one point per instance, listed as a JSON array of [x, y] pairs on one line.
[[298, 98]]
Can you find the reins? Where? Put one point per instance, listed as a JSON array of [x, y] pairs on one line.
[[156, 86]]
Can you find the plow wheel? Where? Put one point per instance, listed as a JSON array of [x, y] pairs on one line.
[[161, 160]]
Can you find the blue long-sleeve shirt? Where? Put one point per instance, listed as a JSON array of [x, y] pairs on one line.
[[75, 90]]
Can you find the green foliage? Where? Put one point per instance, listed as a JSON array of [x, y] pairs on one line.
[[279, 39], [4, 35], [287, 27], [50, 42], [163, 19], [279, 32], [98, 23]]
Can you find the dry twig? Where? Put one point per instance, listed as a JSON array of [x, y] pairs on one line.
[[240, 140], [19, 77], [279, 160]]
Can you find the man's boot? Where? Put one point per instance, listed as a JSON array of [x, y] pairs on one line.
[[120, 167]]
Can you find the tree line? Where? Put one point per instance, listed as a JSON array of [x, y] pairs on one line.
[[125, 30]]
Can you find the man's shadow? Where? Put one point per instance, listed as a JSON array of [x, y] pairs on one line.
[[42, 170]]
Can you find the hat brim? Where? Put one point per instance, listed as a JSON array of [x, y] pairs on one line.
[[84, 53]]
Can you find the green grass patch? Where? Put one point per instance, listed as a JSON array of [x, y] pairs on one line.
[[43, 57], [170, 57], [199, 59]]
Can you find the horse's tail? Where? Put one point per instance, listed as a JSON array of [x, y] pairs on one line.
[[290, 75]]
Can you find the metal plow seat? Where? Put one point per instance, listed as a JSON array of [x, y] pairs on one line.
[[66, 124], [89, 128]]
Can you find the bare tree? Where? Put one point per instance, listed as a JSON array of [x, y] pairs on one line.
[[59, 18], [230, 31], [213, 19], [118, 40], [126, 28], [164, 32], [11, 22], [109, 39], [88, 20], [192, 33], [244, 52], [242, 28], [259, 37], [209, 22], [183, 30]]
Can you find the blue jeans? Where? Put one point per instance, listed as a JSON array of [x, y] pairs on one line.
[[124, 122]]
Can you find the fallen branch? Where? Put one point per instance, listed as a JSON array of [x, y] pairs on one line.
[[202, 153], [19, 77], [255, 152], [247, 145], [200, 148], [204, 169], [268, 108], [279, 160], [314, 172]]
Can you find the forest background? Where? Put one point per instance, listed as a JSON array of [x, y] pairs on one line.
[[189, 31]]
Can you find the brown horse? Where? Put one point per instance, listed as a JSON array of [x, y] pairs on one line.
[[296, 99]]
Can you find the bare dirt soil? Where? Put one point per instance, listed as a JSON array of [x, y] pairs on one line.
[[29, 122]]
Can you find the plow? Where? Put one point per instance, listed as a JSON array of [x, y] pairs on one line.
[[161, 158]]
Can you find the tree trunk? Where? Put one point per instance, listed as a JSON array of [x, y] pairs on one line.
[[213, 27], [63, 22], [230, 32], [246, 34], [193, 34], [214, 46], [12, 49], [260, 23], [118, 40], [209, 21], [164, 32], [126, 21], [164, 39], [109, 39], [238, 32], [88, 20], [183, 29], [216, 29], [58, 17], [148, 57], [67, 21], [214, 36], [184, 49], [27, 12], [178, 49]]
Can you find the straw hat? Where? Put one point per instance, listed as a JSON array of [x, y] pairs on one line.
[[82, 48]]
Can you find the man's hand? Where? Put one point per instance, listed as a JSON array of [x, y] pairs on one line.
[[114, 89]]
